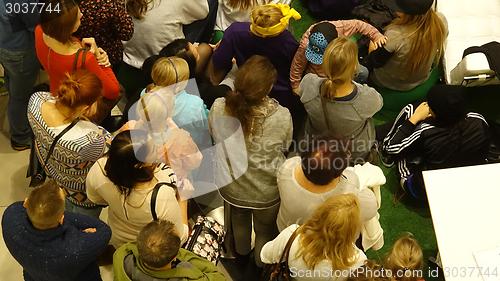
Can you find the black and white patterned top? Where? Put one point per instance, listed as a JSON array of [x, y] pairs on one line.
[[73, 154]]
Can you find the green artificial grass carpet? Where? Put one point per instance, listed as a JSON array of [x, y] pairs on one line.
[[396, 218]]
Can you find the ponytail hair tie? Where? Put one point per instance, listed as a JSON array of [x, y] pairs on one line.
[[276, 29]]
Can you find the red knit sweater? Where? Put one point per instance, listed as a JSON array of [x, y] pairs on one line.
[[56, 65]]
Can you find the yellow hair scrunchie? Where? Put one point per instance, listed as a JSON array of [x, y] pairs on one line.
[[274, 30]]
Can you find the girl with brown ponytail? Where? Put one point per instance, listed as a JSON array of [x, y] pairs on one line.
[[336, 105], [79, 147], [267, 134]]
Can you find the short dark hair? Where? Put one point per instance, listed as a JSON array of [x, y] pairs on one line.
[[158, 243], [325, 159], [45, 205], [58, 21], [180, 48], [122, 166]]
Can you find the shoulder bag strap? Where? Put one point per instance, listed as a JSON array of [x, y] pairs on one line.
[[155, 194], [56, 139], [286, 251], [82, 51]]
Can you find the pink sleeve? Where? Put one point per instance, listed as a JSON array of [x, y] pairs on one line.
[[299, 62], [110, 86], [350, 27]]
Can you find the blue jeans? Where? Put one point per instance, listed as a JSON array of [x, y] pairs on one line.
[[91, 212], [21, 70]]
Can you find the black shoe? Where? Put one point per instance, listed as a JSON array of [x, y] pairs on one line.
[[19, 146]]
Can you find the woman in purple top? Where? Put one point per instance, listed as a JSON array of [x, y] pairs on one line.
[[265, 35]]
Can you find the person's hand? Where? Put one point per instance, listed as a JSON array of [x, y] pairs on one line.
[[90, 42], [90, 111], [130, 125], [296, 90], [380, 41], [214, 47], [102, 58], [422, 112], [89, 230]]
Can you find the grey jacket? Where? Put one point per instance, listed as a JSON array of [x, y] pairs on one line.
[[247, 165], [350, 119]]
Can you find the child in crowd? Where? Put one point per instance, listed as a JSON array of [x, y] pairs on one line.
[[309, 55], [171, 75], [156, 255], [324, 244], [436, 134], [405, 260], [415, 42], [338, 106]]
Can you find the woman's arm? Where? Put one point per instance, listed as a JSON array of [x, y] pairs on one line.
[[91, 184], [272, 250], [407, 134], [299, 63], [222, 58], [111, 87]]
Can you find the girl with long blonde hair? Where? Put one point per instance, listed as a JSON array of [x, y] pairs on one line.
[[415, 42], [324, 245], [338, 106]]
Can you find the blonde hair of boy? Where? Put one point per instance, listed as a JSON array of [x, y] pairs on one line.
[[426, 35], [331, 232], [405, 259], [340, 62]]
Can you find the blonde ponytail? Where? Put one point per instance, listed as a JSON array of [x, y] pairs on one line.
[[340, 63]]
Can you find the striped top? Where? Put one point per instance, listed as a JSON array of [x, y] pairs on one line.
[[73, 154]]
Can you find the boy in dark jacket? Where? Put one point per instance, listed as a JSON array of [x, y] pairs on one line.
[[50, 244], [438, 133], [157, 256]]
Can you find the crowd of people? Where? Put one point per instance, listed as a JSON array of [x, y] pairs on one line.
[[225, 83]]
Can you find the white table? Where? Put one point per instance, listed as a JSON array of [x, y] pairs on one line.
[[465, 208]]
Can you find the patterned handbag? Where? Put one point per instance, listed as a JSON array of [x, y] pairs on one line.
[[206, 239]]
